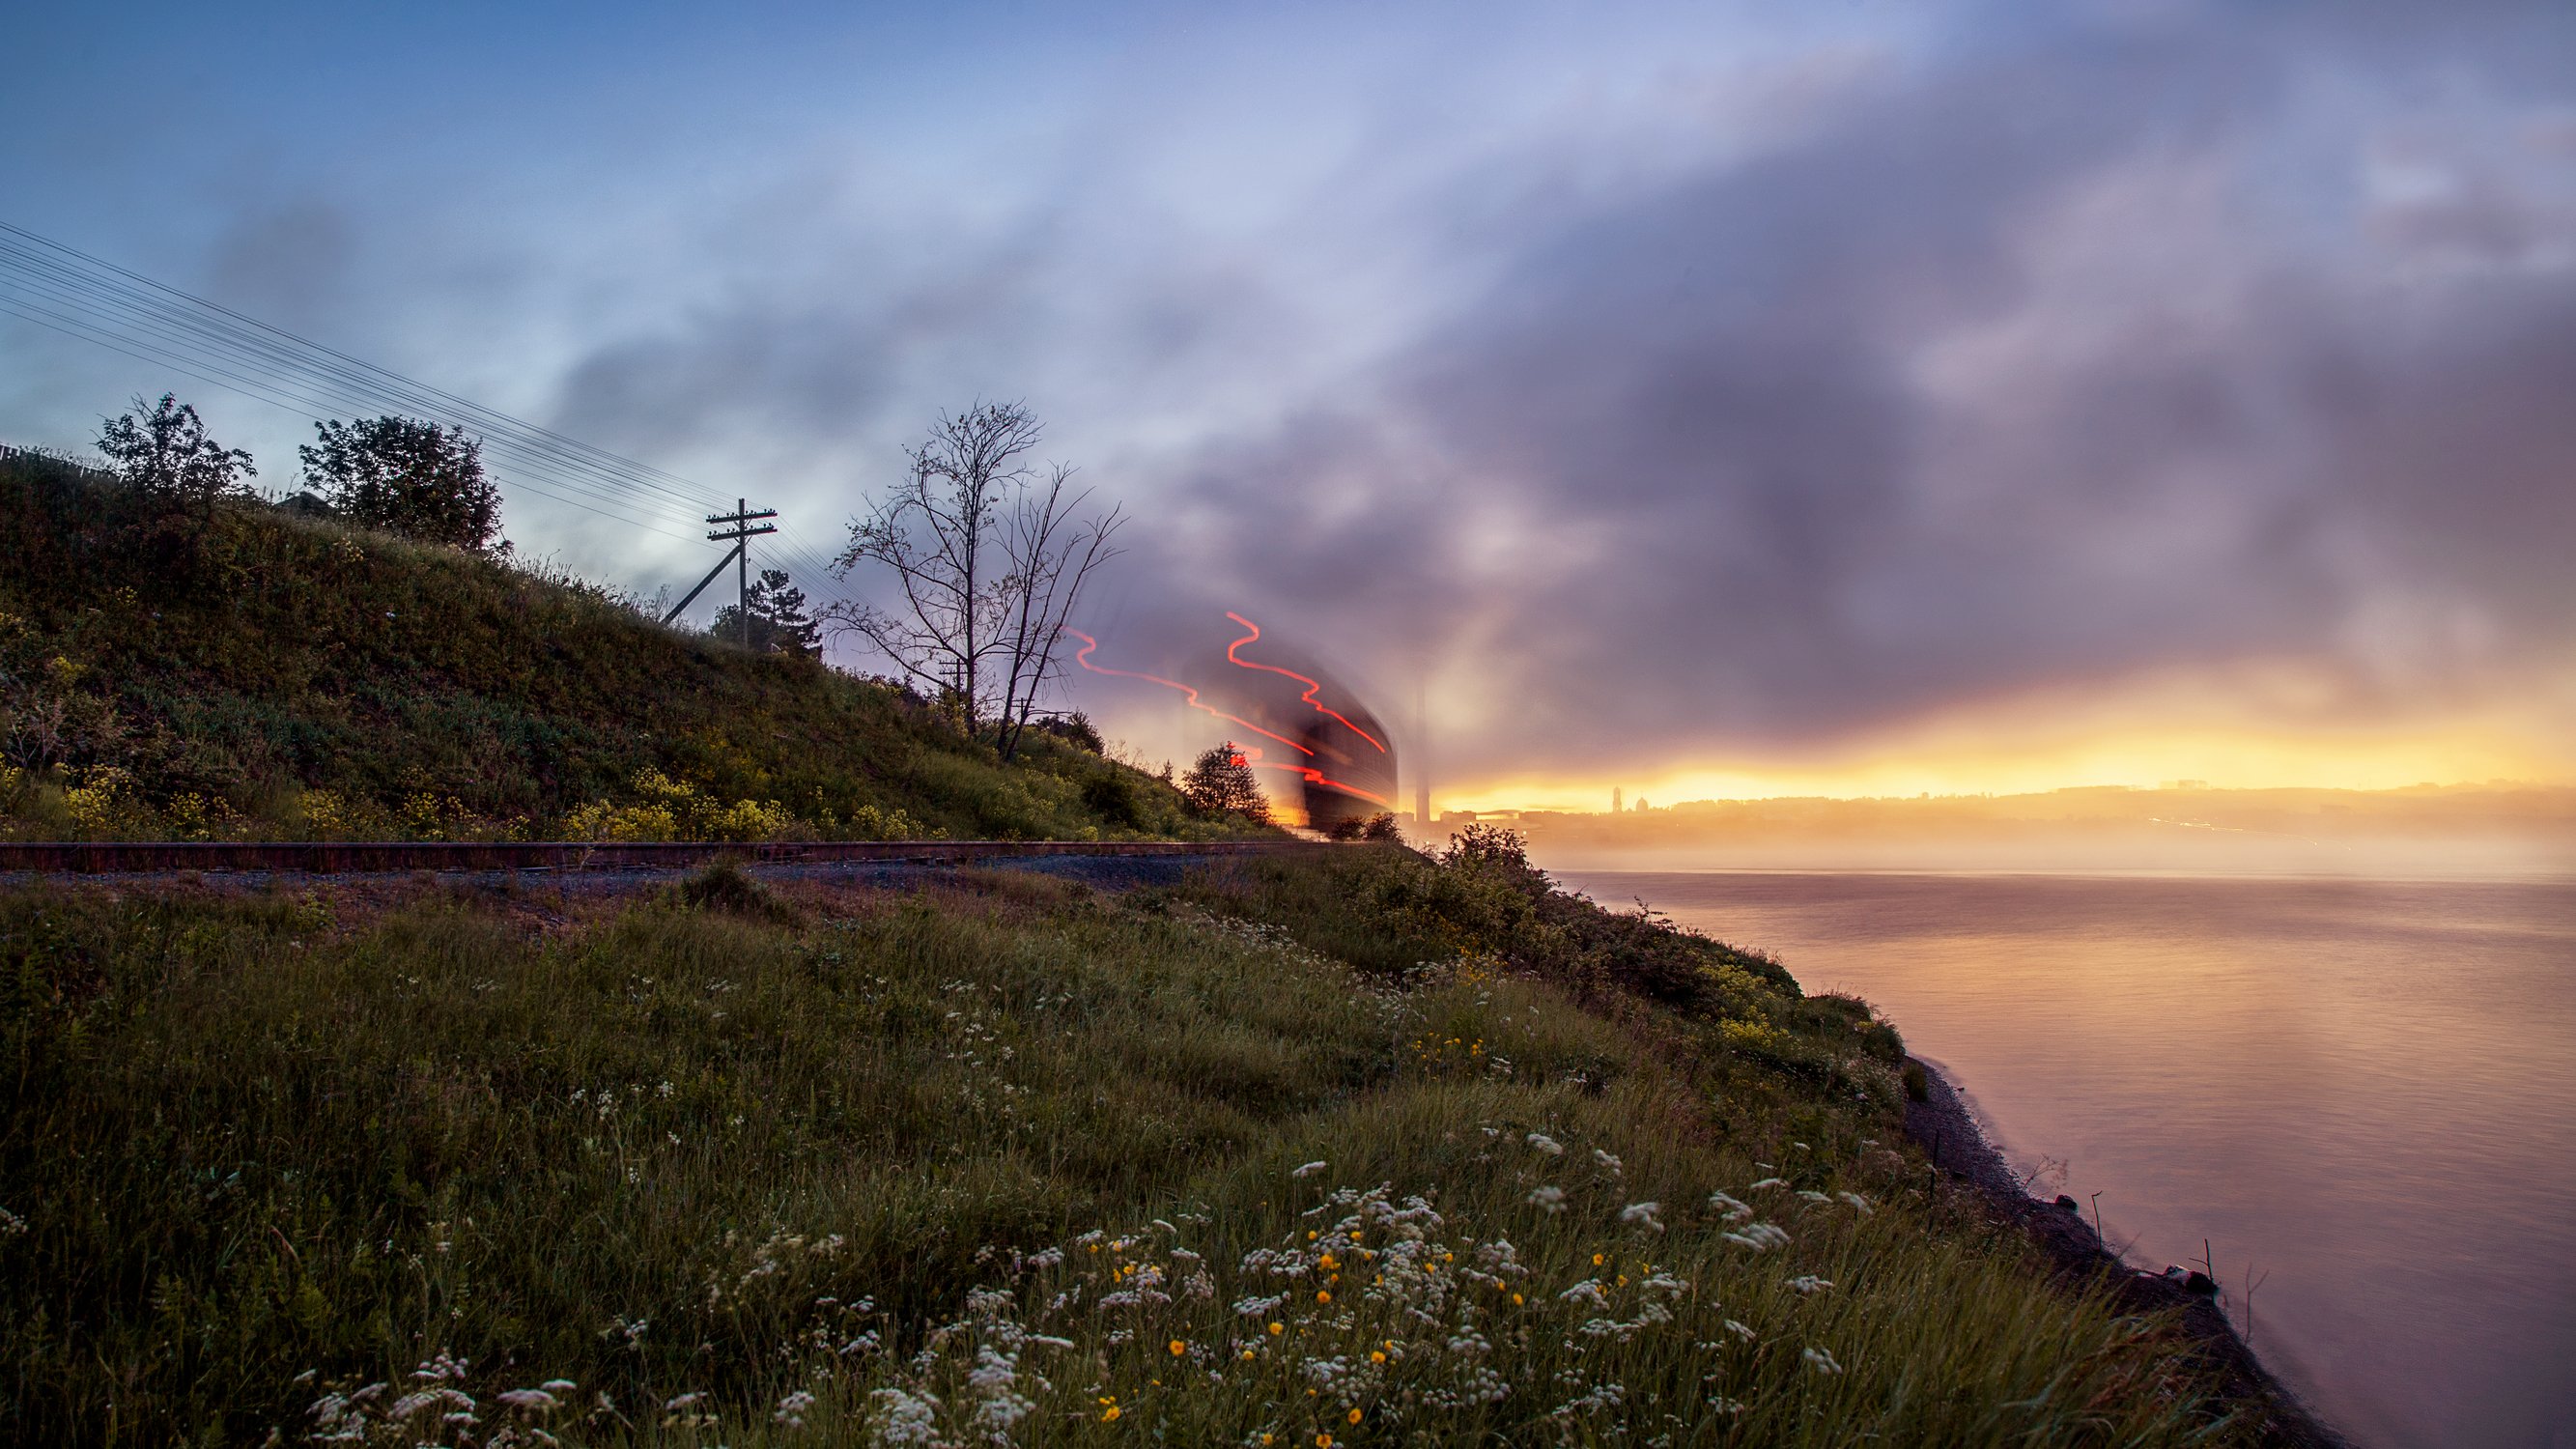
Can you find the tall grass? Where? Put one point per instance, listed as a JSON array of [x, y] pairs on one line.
[[999, 1160]]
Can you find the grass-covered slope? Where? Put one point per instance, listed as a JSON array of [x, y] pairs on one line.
[[1351, 1148], [272, 676]]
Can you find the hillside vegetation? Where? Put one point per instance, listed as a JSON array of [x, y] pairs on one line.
[[265, 675], [1346, 1148]]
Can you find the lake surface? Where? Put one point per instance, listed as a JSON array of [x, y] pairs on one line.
[[2362, 1092]]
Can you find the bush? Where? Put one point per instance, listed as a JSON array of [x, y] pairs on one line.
[[407, 477]]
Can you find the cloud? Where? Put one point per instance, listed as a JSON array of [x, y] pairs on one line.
[[2050, 365]]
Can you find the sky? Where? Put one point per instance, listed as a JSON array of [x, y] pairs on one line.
[[1713, 400]]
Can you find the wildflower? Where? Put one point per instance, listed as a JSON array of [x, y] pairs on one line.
[[1811, 1195], [1377, 1355], [1859, 1204], [1109, 1409], [1810, 1283], [1323, 1441], [1517, 1300], [527, 1400], [1608, 1163], [1739, 1330], [791, 1409], [1355, 1416], [1768, 1182], [1735, 1209], [1598, 1260], [1323, 1295], [1642, 1212], [1247, 1353], [1820, 1360], [1546, 1144], [1309, 1170], [1277, 1329], [1178, 1348]]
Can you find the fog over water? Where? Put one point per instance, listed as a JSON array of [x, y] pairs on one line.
[[2362, 1091]]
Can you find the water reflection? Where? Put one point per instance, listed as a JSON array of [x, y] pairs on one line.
[[2364, 1090]]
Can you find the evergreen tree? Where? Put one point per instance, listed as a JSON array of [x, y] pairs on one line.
[[780, 623], [1220, 782]]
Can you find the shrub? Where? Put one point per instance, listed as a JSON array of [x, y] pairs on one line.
[[407, 477], [165, 456]]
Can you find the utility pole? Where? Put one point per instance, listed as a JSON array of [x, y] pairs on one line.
[[740, 534]]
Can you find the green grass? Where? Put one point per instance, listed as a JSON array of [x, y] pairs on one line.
[[276, 677], [982, 1162]]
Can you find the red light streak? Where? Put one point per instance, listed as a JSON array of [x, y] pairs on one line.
[[1311, 685], [1318, 777], [1082, 656], [1251, 755]]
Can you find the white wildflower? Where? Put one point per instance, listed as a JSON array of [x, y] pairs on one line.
[[1811, 1195], [906, 1419], [1735, 1209], [1820, 1360], [1810, 1283], [1859, 1204], [1309, 1170], [1609, 1164], [1768, 1182], [1549, 1199], [1642, 1213], [1546, 1144], [1739, 1330]]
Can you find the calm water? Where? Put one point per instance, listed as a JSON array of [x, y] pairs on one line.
[[2365, 1092]]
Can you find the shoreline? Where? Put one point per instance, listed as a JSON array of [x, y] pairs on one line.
[[1942, 1125]]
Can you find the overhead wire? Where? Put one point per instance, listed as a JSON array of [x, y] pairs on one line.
[[306, 385], [71, 292]]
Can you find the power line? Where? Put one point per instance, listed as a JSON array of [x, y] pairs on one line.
[[68, 291]]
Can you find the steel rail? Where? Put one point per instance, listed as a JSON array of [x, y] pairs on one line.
[[117, 857]]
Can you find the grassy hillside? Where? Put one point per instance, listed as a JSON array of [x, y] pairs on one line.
[[275, 677], [1351, 1148]]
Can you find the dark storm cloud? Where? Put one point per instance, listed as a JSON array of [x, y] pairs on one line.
[[2056, 365]]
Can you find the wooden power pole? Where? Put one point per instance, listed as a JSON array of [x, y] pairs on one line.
[[739, 531]]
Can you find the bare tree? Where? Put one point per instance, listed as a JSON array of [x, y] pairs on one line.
[[990, 556]]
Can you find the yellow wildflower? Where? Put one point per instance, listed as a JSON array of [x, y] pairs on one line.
[[1179, 1348]]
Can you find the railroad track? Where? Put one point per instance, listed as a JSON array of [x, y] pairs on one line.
[[121, 857]]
